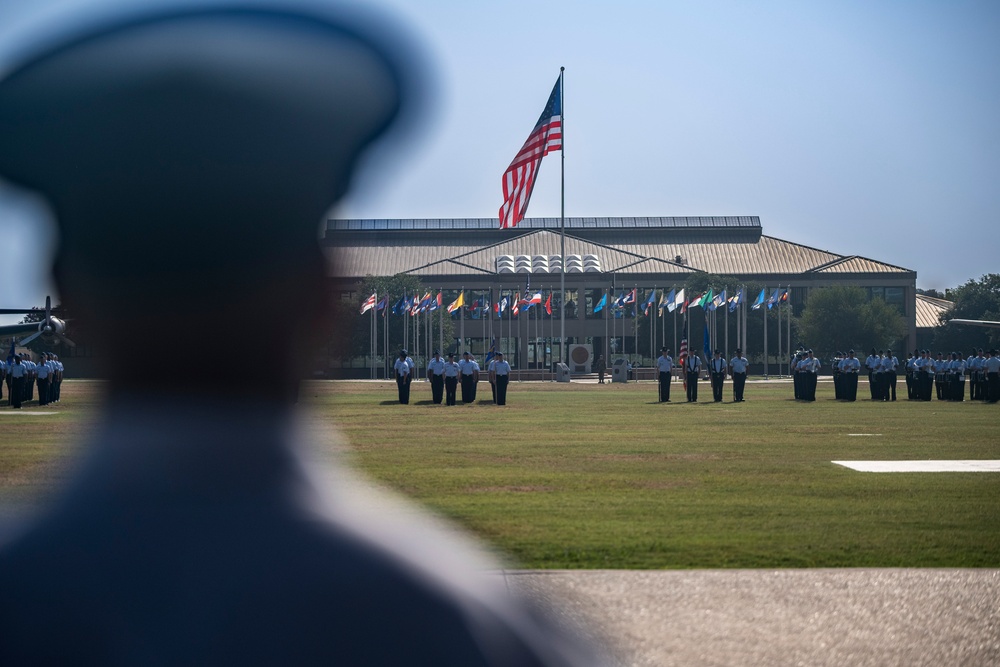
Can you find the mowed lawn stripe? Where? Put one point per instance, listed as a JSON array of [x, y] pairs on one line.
[[595, 476], [592, 476]]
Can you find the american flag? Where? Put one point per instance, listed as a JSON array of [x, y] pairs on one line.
[[369, 303], [519, 179]]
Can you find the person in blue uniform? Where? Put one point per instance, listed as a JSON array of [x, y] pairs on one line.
[[692, 368], [718, 368], [501, 378], [810, 365], [738, 370], [470, 377], [991, 366], [941, 367], [195, 532], [451, 373], [664, 367], [889, 376], [435, 373], [850, 367], [872, 364], [17, 372], [404, 367], [956, 378]]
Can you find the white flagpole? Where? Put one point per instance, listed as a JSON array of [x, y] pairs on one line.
[[562, 222]]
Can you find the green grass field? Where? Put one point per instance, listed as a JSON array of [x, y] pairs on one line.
[[603, 476]]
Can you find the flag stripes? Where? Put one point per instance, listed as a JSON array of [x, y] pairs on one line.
[[519, 179]]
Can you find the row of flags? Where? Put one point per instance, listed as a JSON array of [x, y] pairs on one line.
[[669, 301]]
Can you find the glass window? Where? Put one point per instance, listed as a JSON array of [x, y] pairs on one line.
[[592, 297]]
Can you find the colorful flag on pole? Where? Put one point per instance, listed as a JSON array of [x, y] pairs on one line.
[[760, 299], [501, 305], [515, 304], [650, 302], [630, 297], [548, 304], [719, 300], [784, 297], [457, 303], [708, 342], [707, 299], [736, 300], [492, 351], [773, 299], [695, 301], [679, 299], [600, 304], [519, 179], [434, 304], [369, 303], [668, 301]]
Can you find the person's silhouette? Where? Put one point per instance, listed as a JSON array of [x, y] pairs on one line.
[[189, 155]]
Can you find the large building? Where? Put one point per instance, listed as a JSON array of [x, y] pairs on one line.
[[474, 256]]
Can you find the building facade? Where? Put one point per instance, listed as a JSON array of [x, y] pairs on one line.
[[601, 255]]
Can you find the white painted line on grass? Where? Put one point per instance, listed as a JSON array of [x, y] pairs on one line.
[[922, 466], [27, 412], [863, 435]]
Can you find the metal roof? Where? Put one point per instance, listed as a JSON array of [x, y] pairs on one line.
[[857, 264], [490, 224], [929, 311], [724, 252]]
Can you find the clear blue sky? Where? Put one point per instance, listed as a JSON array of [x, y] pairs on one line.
[[865, 128]]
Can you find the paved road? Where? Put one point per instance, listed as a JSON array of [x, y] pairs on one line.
[[782, 617]]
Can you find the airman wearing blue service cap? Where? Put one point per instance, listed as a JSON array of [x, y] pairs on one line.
[[161, 131]]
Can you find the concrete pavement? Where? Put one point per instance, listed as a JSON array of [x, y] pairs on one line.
[[822, 617]]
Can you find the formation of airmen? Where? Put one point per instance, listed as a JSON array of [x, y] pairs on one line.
[[736, 368], [445, 377], [924, 374], [22, 376]]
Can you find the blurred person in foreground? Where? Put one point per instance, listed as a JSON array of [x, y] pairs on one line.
[[189, 152]]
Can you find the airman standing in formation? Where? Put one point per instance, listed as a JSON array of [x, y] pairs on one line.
[[809, 368], [501, 378], [850, 366], [976, 366], [911, 372], [692, 369], [888, 365], [838, 376], [941, 368], [956, 377], [404, 367], [665, 367], [470, 377], [435, 373], [992, 367], [718, 371], [451, 373], [872, 363], [738, 370], [17, 373]]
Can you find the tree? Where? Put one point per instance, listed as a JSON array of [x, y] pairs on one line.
[[839, 318], [975, 300]]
